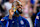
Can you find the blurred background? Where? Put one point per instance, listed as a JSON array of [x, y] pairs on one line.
[[30, 9]]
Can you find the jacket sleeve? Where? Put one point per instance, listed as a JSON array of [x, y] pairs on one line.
[[36, 23], [2, 23]]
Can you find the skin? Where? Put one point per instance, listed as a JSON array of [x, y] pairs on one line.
[[11, 12]]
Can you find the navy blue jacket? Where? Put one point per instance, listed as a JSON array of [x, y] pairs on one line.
[[15, 22]]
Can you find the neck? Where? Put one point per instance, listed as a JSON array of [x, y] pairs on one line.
[[16, 15], [10, 17]]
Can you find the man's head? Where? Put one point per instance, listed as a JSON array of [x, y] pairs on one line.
[[19, 9]]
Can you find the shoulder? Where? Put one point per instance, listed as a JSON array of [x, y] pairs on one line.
[[24, 19], [26, 22], [38, 13], [37, 16], [5, 18]]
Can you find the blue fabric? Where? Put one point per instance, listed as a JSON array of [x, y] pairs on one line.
[[38, 14], [2, 24], [37, 21], [17, 12], [32, 1], [16, 22]]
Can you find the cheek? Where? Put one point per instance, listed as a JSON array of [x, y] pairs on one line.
[[12, 13]]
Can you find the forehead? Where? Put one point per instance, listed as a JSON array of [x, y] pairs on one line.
[[15, 3]]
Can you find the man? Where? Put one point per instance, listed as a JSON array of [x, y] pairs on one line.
[[37, 20], [14, 19], [27, 11]]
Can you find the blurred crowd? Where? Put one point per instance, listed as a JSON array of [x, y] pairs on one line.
[[30, 8]]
